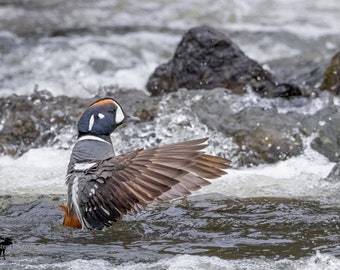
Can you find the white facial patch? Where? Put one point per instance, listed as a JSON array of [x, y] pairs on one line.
[[101, 116], [91, 122], [119, 115]]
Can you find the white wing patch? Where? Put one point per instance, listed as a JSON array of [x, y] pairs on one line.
[[74, 196], [119, 115], [91, 122], [82, 166]]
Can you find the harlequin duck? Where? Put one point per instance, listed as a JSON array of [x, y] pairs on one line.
[[102, 187]]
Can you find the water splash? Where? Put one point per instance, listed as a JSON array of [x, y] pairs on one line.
[[319, 261]]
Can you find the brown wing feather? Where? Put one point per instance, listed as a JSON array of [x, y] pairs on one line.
[[127, 183]]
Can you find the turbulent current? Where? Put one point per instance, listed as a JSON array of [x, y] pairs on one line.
[[264, 214]]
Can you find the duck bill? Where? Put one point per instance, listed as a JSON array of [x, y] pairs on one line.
[[129, 119]]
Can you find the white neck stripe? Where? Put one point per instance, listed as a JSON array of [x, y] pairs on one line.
[[93, 138], [83, 166]]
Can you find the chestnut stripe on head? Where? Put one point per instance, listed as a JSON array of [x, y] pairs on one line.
[[103, 102]]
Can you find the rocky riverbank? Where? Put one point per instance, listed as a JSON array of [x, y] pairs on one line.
[[263, 119]]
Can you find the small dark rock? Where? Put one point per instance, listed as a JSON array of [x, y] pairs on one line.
[[207, 59], [331, 78], [4, 243]]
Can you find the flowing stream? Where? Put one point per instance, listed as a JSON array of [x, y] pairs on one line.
[[280, 216]]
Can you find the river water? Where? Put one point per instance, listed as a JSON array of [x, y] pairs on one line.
[[280, 216]]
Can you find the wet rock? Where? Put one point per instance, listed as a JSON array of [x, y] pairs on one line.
[[327, 141], [32, 121], [334, 175], [311, 125], [303, 70], [326, 125], [43, 120], [268, 140], [249, 131], [262, 135], [259, 134], [331, 78], [206, 59]]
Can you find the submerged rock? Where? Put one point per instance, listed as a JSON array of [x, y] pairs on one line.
[[331, 79], [206, 59]]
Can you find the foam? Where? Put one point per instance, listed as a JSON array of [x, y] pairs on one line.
[[301, 176], [39, 171], [181, 262], [42, 171]]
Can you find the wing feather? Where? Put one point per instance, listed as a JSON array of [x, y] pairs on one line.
[[127, 183]]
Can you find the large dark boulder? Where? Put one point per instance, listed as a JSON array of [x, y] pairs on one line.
[[207, 59]]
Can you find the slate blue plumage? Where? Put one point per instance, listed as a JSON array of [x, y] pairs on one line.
[[102, 187]]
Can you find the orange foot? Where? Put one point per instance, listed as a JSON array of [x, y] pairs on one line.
[[70, 220]]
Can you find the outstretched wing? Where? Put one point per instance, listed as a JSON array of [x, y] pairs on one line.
[[127, 183]]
